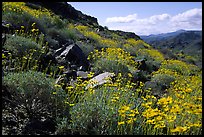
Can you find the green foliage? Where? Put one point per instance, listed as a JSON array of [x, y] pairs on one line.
[[104, 65], [180, 67], [20, 19], [34, 85], [61, 33], [122, 106], [100, 112], [163, 79], [113, 60], [20, 45], [37, 96], [159, 83]]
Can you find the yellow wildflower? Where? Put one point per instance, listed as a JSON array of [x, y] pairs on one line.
[[179, 129], [61, 67], [121, 123], [33, 24], [71, 105]]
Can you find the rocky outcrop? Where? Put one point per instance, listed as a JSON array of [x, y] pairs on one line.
[[67, 11], [72, 54]]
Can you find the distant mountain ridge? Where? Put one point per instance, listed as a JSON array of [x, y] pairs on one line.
[[153, 37], [188, 42]]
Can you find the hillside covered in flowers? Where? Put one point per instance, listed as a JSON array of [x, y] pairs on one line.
[[64, 74]]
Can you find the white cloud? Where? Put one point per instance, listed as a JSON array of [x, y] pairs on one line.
[[191, 19], [161, 17], [126, 19]]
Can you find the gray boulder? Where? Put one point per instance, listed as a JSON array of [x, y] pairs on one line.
[[100, 79], [73, 54], [82, 74]]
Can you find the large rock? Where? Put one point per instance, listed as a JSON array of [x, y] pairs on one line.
[[7, 27], [82, 74], [73, 54], [142, 64], [100, 79]]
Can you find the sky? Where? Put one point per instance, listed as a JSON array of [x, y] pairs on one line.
[[144, 18]]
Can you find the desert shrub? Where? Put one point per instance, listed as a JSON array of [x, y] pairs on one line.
[[92, 35], [38, 98], [163, 79], [86, 48], [152, 65], [62, 34], [19, 45], [151, 54], [82, 28], [58, 22], [19, 19], [104, 65], [108, 42], [153, 57], [114, 59], [159, 83], [137, 43], [108, 110], [116, 54], [180, 67], [67, 34], [168, 54], [21, 14], [141, 75]]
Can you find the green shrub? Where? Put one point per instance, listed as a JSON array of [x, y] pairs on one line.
[[99, 112], [159, 83], [180, 67], [19, 45], [61, 33], [105, 65], [163, 79], [37, 97], [19, 19]]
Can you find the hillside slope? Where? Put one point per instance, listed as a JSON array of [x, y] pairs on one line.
[[64, 74]]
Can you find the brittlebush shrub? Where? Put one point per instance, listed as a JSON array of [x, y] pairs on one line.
[[154, 58], [62, 34], [159, 83], [180, 67], [112, 109], [20, 45], [104, 65], [37, 95], [113, 59]]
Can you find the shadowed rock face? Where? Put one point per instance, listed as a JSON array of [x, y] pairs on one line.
[[74, 55], [67, 12]]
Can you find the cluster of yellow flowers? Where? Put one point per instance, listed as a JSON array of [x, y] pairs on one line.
[[86, 31], [137, 43], [152, 53], [116, 54], [127, 115], [21, 7]]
